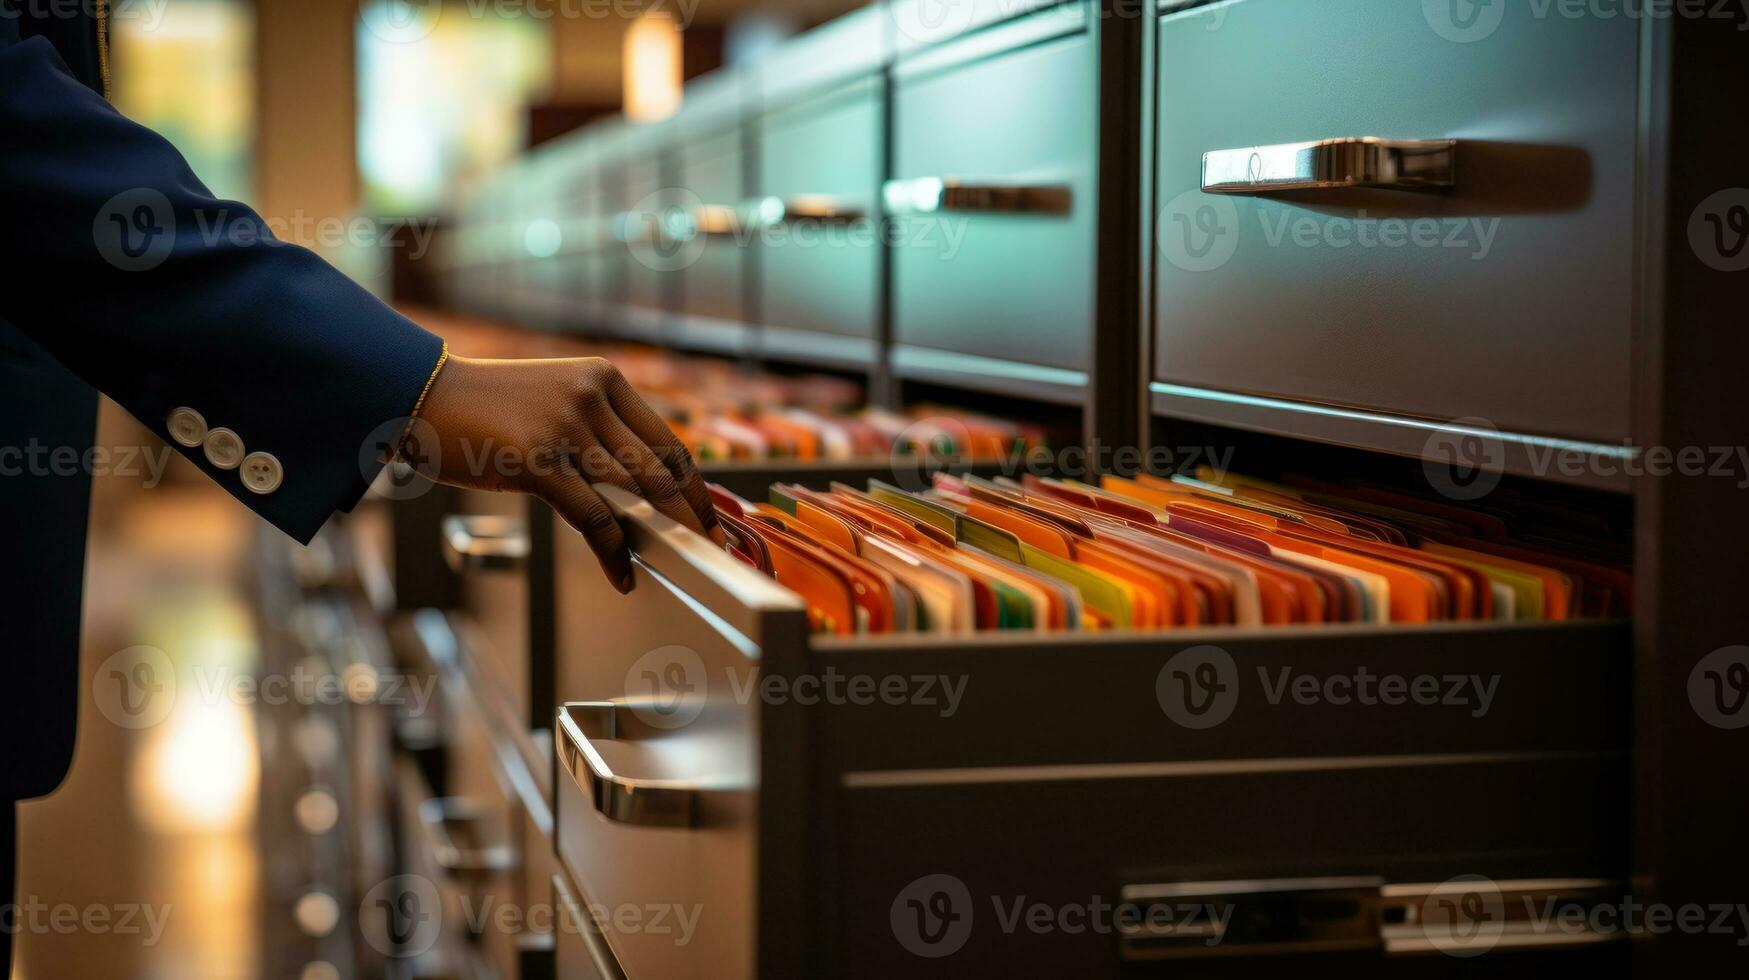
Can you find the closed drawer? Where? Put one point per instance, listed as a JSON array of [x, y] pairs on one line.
[[436, 915], [644, 257], [582, 234], [1182, 839], [712, 258], [820, 168], [1507, 297], [1059, 768], [994, 194]]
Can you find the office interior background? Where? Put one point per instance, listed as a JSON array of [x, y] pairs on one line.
[[1540, 334]]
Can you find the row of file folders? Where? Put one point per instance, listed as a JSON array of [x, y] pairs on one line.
[[1207, 549]]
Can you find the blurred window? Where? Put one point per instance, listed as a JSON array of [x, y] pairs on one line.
[[186, 68], [442, 92]]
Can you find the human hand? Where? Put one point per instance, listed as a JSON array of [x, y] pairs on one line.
[[552, 427]]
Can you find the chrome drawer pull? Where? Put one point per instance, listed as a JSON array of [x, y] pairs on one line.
[[640, 802], [1330, 164], [484, 541], [711, 221], [926, 194], [770, 212], [1266, 917], [437, 817]]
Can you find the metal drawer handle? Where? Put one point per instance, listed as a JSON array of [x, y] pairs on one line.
[[439, 815], [621, 799], [770, 212], [1330, 164], [1195, 920], [485, 541], [927, 194], [709, 220]]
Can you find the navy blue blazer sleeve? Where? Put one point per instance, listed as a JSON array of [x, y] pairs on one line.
[[118, 261]]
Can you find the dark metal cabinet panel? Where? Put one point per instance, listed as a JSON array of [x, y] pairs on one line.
[[1507, 298], [816, 275], [1017, 287]]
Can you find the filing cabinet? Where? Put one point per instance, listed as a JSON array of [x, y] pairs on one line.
[[808, 834], [1507, 296], [816, 208], [993, 192], [707, 225], [482, 837], [1498, 282]]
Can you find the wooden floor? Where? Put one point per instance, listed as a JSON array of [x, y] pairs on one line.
[[144, 864]]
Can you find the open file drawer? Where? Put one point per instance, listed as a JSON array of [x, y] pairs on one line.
[[937, 805]]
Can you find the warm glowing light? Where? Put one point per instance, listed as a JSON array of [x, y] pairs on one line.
[[652, 67], [200, 769]]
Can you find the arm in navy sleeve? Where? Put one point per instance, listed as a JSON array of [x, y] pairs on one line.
[[118, 261]]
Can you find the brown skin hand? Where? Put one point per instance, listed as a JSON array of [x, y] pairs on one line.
[[550, 428]]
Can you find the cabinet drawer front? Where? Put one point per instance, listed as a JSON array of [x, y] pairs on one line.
[[712, 180], [581, 952], [1010, 276], [1506, 297], [820, 271], [964, 898], [641, 258]]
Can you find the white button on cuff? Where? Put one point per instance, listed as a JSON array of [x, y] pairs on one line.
[[262, 473], [224, 449], [187, 427]]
